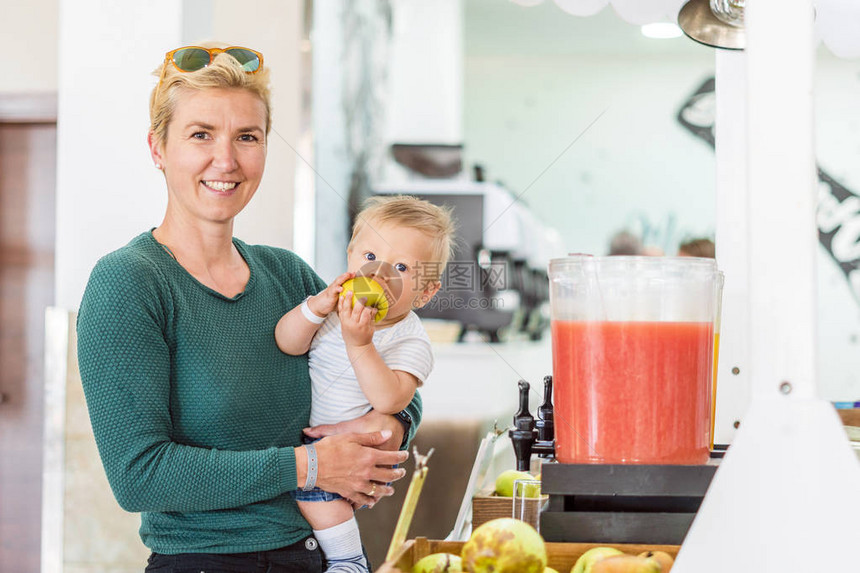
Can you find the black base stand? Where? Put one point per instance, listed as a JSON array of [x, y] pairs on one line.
[[648, 504]]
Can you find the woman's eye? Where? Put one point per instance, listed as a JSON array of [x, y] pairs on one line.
[[248, 137], [370, 256], [199, 135], [401, 267]]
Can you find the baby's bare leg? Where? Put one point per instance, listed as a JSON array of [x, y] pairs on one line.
[[325, 514], [336, 531]]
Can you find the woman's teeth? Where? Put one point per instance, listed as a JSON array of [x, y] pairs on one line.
[[220, 185]]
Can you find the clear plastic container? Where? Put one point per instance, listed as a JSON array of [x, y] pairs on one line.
[[633, 351]]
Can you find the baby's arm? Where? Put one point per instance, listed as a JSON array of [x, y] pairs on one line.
[[388, 391], [294, 331]]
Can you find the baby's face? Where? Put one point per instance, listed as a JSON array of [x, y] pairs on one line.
[[406, 253]]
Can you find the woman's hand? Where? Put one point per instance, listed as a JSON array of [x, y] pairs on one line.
[[356, 321], [353, 466], [373, 421], [326, 301]]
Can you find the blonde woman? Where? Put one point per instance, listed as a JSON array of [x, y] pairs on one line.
[[197, 414]]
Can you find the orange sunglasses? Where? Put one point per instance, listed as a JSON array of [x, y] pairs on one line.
[[193, 58]]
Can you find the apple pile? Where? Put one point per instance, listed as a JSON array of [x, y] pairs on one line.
[[512, 546], [502, 545]]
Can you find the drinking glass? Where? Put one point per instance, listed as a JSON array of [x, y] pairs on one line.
[[528, 501]]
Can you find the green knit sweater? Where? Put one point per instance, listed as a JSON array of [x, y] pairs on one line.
[[194, 408]]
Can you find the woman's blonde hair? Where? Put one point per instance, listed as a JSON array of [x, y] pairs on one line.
[[434, 221], [223, 72]]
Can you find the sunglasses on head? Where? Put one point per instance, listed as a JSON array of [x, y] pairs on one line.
[[194, 58]]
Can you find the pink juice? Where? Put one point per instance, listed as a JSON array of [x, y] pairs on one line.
[[632, 392]]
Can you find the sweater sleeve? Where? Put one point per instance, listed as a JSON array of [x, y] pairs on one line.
[[125, 369], [414, 409]]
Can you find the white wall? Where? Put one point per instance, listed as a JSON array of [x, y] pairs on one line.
[[108, 190], [426, 77], [837, 93], [273, 27], [591, 144], [29, 32]]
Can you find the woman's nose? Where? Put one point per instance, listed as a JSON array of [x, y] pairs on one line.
[[225, 156]]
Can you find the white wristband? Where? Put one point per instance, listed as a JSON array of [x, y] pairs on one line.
[[309, 314], [311, 479]]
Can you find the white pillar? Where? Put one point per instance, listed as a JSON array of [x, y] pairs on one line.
[[107, 188], [783, 235], [732, 240], [790, 482]]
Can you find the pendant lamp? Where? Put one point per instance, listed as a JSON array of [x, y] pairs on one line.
[[715, 23]]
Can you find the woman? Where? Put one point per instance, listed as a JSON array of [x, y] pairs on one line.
[[197, 414]]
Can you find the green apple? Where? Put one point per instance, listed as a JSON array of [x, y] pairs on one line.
[[370, 290], [549, 570], [504, 545], [587, 560], [505, 482], [439, 563]]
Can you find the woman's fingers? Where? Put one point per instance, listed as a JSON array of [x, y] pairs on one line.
[[377, 490], [388, 475], [368, 423], [377, 439]]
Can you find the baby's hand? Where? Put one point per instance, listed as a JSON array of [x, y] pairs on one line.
[[356, 321], [326, 301]]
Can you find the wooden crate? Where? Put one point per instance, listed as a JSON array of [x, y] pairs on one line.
[[562, 556], [487, 506], [850, 417]]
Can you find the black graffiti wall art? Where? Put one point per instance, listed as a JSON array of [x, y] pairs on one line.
[[838, 215]]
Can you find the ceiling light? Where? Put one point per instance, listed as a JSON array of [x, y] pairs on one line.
[[661, 30]]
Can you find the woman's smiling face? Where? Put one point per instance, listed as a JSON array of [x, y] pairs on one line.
[[214, 153]]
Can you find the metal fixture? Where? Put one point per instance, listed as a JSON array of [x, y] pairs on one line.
[[715, 23]]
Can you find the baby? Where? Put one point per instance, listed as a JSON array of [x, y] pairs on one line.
[[358, 363]]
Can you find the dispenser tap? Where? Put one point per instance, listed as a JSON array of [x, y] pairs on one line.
[[545, 423], [524, 436]]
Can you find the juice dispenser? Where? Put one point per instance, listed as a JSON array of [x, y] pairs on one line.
[[633, 341], [633, 351]]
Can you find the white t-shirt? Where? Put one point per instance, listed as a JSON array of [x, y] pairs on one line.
[[336, 394]]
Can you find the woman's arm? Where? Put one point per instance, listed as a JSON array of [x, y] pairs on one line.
[[125, 368], [294, 331]]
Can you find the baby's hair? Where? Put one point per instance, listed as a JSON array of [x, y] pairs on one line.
[[433, 220]]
